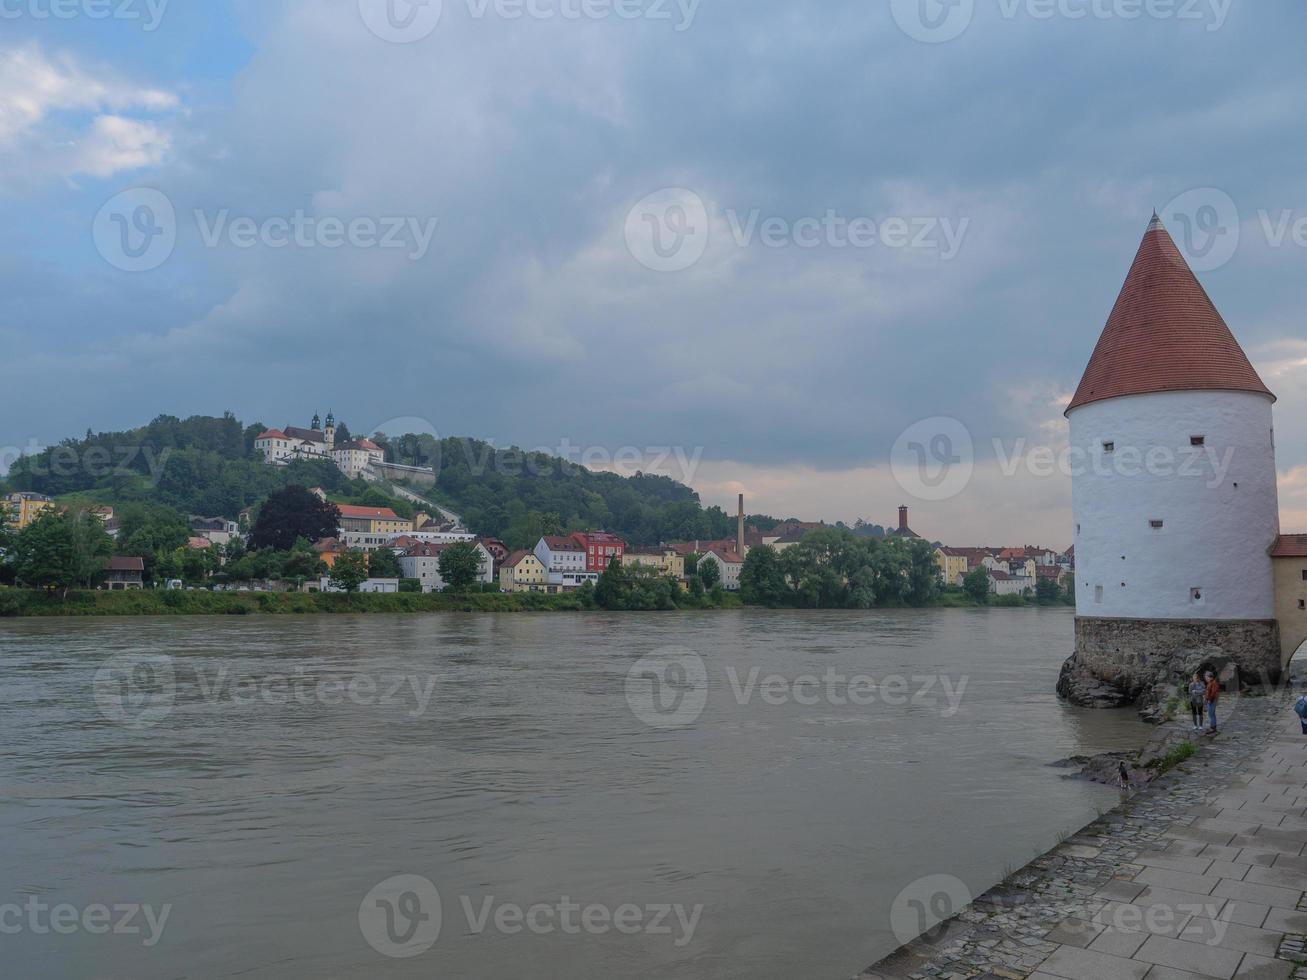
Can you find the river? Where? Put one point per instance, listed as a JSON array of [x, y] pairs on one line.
[[744, 794]]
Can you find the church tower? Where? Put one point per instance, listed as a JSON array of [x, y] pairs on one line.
[[330, 432], [1174, 487]]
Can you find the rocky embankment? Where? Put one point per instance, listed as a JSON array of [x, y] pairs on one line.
[[1159, 693]]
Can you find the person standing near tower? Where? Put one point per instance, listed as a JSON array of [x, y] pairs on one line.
[[1212, 696]]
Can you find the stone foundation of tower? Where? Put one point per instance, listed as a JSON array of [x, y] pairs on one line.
[[1123, 661]]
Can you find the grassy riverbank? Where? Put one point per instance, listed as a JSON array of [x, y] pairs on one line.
[[26, 602], [15, 602]]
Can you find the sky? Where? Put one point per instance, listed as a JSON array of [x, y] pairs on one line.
[[761, 246]]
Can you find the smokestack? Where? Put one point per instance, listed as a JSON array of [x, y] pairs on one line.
[[903, 518], [739, 542]]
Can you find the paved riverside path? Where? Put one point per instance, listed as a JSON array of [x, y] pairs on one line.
[[1201, 875]]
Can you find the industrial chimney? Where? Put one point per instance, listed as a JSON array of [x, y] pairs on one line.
[[739, 537]]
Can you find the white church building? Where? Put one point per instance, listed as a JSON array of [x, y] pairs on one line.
[[354, 458], [1177, 531]]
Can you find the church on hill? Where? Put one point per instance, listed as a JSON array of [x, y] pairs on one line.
[[354, 457]]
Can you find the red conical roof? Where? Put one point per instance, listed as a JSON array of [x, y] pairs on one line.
[[1164, 334]]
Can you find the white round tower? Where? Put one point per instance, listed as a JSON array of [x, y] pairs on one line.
[[1174, 490]]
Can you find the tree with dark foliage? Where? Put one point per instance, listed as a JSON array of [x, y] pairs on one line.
[[291, 514]]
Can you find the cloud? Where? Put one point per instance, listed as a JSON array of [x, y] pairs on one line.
[[530, 321], [58, 117]]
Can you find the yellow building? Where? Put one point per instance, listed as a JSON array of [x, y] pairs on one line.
[[372, 520], [523, 572], [1290, 563], [664, 561], [952, 564], [24, 508]]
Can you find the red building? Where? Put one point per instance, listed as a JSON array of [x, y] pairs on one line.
[[601, 549]]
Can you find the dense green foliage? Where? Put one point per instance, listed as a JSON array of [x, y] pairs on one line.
[[835, 569], [59, 551], [518, 495], [643, 589]]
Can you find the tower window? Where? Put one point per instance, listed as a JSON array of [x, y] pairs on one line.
[[1197, 596], [1304, 574], [1098, 593], [1302, 603], [1157, 525], [1109, 447], [1198, 440]]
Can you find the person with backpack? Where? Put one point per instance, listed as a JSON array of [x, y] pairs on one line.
[[1197, 698], [1212, 696], [1300, 709]]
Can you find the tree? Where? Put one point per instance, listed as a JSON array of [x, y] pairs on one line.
[[762, 580], [1048, 592], [460, 566], [382, 563], [302, 564], [976, 584], [59, 551], [294, 513], [710, 573], [350, 571], [150, 531]]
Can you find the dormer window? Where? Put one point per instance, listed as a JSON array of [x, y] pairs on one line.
[[1157, 525], [1109, 447], [1198, 440]]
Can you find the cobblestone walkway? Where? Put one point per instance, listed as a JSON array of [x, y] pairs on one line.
[[1201, 875]]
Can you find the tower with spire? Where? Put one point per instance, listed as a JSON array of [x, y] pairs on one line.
[[329, 433], [1174, 487]]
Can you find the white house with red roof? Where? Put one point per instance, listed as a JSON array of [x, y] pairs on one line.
[[1175, 504]]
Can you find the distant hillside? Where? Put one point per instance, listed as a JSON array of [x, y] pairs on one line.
[[209, 466]]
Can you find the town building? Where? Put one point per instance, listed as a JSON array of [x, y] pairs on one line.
[[123, 574], [664, 561], [522, 571], [729, 564], [372, 586], [368, 528], [1173, 559], [25, 507], [422, 562], [282, 446], [217, 530], [954, 565], [601, 549], [903, 531], [561, 555]]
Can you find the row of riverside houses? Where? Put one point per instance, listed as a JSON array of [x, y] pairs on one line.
[[1011, 571]]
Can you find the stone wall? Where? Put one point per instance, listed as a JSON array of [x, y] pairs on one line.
[[1120, 661]]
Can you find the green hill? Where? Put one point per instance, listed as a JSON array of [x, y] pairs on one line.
[[208, 466]]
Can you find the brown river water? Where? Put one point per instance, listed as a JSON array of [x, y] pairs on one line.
[[745, 794]]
